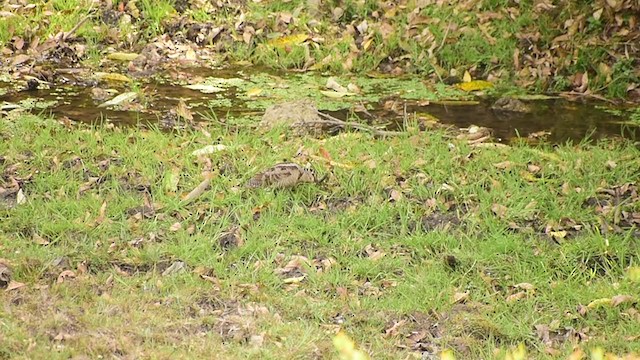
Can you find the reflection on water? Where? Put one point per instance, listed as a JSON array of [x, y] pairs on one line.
[[563, 119]]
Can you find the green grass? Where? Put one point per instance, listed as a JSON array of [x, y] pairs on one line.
[[371, 262]]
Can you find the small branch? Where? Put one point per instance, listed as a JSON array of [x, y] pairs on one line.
[[330, 120]]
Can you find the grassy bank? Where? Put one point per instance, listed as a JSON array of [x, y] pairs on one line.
[[414, 244], [586, 47]]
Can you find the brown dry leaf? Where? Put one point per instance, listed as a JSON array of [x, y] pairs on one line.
[[39, 239], [619, 299], [371, 164], [67, 274], [325, 154], [461, 297], [175, 227], [13, 285], [525, 286], [175, 268], [395, 195], [393, 330], [534, 169], [183, 111], [373, 253], [295, 270], [504, 165], [558, 235], [101, 214], [517, 296], [499, 210]]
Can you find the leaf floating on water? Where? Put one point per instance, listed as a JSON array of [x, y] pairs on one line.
[[253, 92], [122, 98], [204, 88], [120, 56], [113, 77], [332, 84], [335, 94], [475, 85], [290, 40]]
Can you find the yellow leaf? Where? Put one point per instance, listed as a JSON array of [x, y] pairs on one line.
[[520, 353], [599, 303], [367, 44], [447, 354], [597, 354], [634, 273], [254, 92], [476, 85], [466, 77], [347, 348], [112, 77], [290, 40], [120, 56]]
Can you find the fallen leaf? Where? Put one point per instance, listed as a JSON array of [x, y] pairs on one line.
[[120, 56], [504, 165], [209, 149], [525, 286], [347, 348], [395, 195], [14, 285], [619, 299], [175, 227], [476, 85], [633, 273], [20, 197], [253, 92], [205, 88], [460, 297], [447, 354], [499, 210], [176, 267], [66, 274], [517, 296], [558, 235], [39, 239], [466, 77], [287, 41], [599, 303], [393, 330], [120, 99]]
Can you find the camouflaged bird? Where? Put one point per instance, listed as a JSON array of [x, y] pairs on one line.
[[282, 176]]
